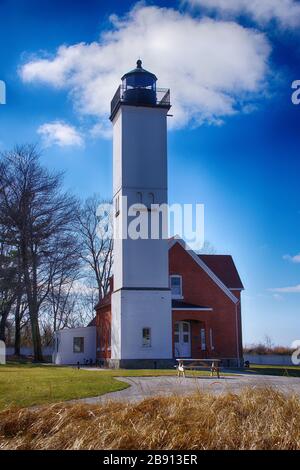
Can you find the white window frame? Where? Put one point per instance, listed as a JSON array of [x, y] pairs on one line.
[[146, 346], [176, 296]]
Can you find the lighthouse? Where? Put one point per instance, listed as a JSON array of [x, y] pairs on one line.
[[165, 301], [141, 314]]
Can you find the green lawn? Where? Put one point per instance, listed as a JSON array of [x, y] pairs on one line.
[[28, 384], [288, 371]]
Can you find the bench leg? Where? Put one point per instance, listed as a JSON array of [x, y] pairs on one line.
[[216, 370]]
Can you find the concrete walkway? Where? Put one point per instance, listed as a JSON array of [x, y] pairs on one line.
[[145, 387]]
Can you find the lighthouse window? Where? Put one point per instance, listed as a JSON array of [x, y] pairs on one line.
[[151, 198], [146, 337], [117, 206]]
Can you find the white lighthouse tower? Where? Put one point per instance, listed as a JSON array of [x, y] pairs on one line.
[[141, 325]]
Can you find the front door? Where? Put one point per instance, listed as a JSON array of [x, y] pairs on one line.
[[182, 339]]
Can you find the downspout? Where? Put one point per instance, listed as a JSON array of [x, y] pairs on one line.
[[237, 332]]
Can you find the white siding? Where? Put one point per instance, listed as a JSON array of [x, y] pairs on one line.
[[116, 325], [140, 166], [146, 309], [140, 174], [64, 353]]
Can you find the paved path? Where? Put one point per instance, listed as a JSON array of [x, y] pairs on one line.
[[144, 387]]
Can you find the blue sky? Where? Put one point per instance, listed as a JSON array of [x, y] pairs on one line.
[[234, 139]]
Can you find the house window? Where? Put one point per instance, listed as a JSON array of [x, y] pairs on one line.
[[211, 339], [176, 286], [78, 344], [176, 332], [203, 340], [146, 337]]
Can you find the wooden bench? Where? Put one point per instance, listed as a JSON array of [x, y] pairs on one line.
[[198, 364]]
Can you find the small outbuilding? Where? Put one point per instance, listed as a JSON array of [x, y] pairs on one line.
[[75, 345]]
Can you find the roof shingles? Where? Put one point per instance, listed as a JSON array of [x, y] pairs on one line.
[[224, 268]]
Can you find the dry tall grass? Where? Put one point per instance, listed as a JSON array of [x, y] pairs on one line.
[[254, 419]]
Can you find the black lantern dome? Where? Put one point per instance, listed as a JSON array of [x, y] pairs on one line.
[[139, 86], [139, 89]]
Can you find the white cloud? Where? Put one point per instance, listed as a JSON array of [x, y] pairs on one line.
[[61, 134], [287, 290], [278, 297], [214, 68], [285, 12], [79, 287], [100, 129], [293, 259]]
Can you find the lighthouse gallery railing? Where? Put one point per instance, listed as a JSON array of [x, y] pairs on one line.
[[162, 99]]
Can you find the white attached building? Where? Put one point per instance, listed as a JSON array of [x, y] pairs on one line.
[[75, 345]]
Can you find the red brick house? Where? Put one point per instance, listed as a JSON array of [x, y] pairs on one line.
[[206, 307]]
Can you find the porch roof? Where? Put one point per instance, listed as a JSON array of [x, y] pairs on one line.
[[180, 305]]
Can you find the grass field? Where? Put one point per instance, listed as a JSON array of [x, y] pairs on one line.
[[28, 384], [288, 371], [254, 419]]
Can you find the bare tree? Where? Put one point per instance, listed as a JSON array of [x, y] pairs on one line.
[[21, 307], [8, 282], [96, 242], [86, 299], [65, 272], [39, 218]]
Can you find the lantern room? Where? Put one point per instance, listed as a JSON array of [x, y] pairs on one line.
[[139, 86]]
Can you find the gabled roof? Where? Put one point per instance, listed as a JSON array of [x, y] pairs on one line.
[[223, 266], [205, 267]]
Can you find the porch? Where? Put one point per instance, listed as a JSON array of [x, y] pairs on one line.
[[192, 334]]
